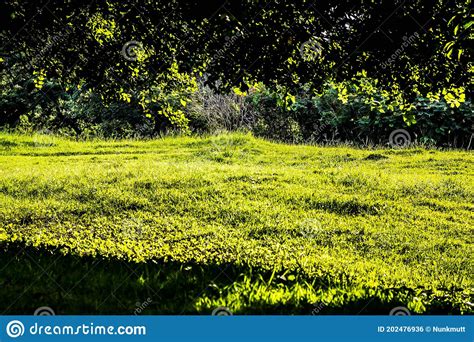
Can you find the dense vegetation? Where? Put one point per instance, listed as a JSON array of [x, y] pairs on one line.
[[298, 71], [163, 153], [187, 224]]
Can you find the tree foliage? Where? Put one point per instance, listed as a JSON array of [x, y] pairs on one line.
[[122, 49]]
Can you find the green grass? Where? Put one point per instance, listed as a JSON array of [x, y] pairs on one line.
[[189, 224]]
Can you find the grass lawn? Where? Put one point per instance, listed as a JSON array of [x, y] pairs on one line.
[[185, 225]]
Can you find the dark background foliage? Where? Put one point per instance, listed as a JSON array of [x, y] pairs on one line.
[[226, 43]]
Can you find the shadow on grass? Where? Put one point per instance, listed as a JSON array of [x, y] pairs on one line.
[[35, 277]]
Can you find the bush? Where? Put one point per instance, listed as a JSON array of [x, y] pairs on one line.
[[37, 102], [362, 112]]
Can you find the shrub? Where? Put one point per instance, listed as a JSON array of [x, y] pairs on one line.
[[43, 102], [210, 111], [361, 111], [276, 112]]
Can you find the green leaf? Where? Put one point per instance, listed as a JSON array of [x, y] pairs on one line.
[[456, 29]]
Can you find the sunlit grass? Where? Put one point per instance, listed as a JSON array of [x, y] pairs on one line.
[[291, 225]]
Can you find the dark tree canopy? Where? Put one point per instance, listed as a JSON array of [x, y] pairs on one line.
[[229, 40]]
